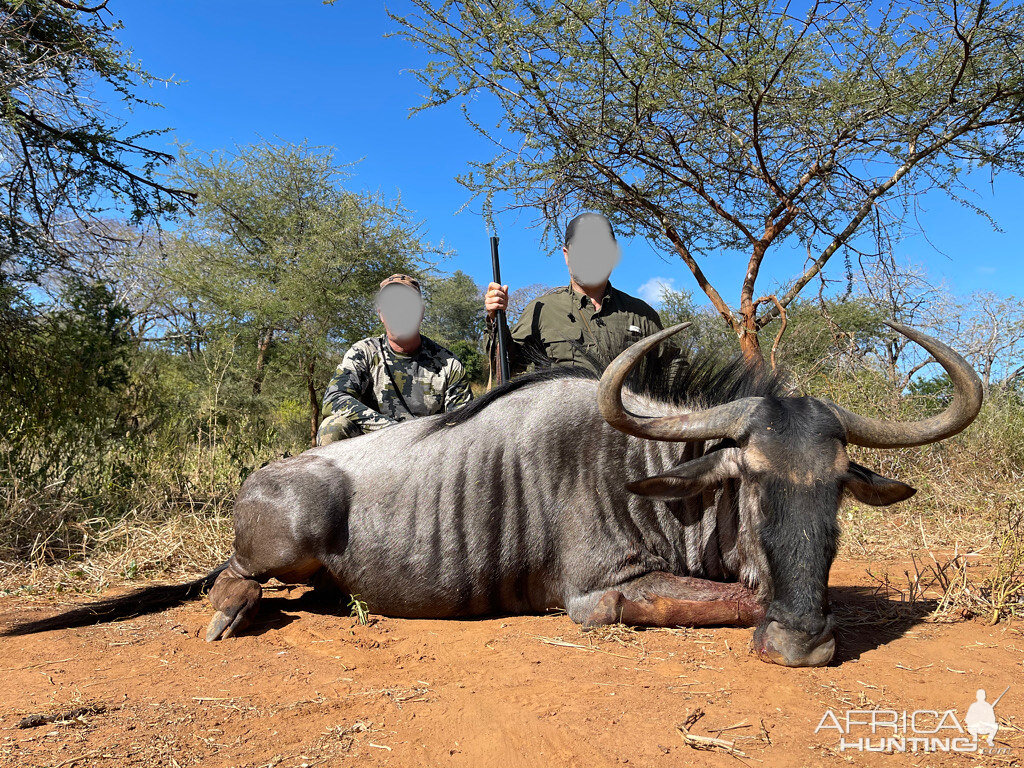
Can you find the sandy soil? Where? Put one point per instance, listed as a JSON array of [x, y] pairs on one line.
[[309, 687]]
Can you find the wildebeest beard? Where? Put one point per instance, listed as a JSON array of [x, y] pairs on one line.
[[798, 536]]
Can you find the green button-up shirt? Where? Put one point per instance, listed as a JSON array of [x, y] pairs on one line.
[[563, 325]]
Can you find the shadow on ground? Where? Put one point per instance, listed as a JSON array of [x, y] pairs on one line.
[[280, 610], [866, 619]]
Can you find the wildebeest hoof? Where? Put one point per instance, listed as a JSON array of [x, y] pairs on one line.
[[236, 599], [607, 611], [223, 625]]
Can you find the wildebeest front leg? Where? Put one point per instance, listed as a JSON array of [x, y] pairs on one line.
[[236, 598], [664, 600]]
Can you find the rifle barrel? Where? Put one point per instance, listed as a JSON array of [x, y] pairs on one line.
[[1000, 696], [499, 316]]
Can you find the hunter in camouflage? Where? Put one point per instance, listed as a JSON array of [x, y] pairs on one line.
[[396, 376]]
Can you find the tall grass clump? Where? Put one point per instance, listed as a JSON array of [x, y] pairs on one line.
[[135, 479]]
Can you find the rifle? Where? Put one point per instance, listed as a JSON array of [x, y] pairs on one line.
[[499, 319], [1000, 697]]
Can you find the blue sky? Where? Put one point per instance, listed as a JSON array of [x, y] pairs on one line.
[[303, 70]]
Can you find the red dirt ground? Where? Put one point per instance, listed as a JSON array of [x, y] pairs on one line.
[[306, 687]]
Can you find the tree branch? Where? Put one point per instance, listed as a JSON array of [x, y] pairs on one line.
[[76, 7], [88, 151]]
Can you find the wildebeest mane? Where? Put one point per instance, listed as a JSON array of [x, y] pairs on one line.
[[672, 375], [702, 378], [471, 409]]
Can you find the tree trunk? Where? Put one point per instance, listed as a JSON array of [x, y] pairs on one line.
[[314, 402], [750, 344], [261, 361]]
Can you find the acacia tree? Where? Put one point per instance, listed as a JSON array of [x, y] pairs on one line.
[[990, 329], [731, 126], [281, 248], [65, 158], [905, 293]]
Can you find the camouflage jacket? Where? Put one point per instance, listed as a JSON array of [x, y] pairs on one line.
[[562, 322], [432, 380]]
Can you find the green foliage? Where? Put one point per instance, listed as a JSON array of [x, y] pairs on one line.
[[473, 360], [95, 327], [359, 610], [455, 318], [454, 308], [822, 334], [706, 330], [937, 389], [282, 256], [64, 152], [278, 244], [63, 375]]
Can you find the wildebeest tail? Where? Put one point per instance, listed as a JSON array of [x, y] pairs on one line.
[[136, 603]]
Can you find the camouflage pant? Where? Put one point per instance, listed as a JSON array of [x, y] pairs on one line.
[[337, 426]]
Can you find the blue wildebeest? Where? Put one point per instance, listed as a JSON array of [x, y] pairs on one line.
[[709, 500]]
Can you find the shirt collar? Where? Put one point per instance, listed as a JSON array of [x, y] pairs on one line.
[[385, 345], [581, 300]]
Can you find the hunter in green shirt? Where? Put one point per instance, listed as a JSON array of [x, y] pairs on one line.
[[567, 327], [588, 317]]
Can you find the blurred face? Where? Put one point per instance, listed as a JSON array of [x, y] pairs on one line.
[[401, 310], [592, 254]]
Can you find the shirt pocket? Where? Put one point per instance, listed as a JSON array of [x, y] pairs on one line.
[[564, 347], [433, 394], [621, 333]]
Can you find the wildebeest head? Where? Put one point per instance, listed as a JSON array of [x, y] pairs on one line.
[[789, 456]]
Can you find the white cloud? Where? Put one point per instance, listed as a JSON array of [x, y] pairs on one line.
[[652, 290]]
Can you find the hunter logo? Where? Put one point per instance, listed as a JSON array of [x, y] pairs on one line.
[[920, 730], [981, 717]]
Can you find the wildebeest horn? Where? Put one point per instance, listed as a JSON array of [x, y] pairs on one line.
[[967, 395], [720, 421]]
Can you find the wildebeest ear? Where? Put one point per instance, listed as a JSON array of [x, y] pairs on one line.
[[873, 489], [690, 478]]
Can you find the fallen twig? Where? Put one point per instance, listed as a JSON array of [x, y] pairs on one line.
[[708, 742], [40, 664], [720, 731], [564, 644], [70, 760], [33, 721]]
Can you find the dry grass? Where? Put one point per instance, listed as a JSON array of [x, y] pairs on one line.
[[963, 531], [955, 586], [91, 554], [169, 518], [1003, 589]]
